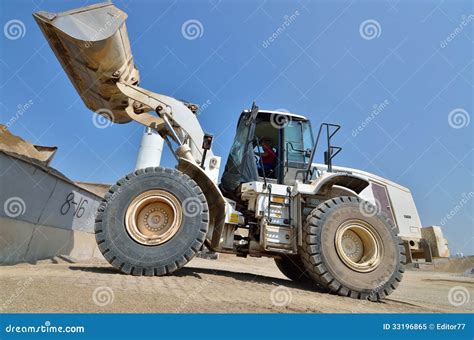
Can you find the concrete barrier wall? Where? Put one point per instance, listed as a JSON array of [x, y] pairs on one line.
[[42, 213], [26, 242]]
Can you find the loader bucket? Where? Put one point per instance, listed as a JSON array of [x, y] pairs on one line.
[[92, 46]]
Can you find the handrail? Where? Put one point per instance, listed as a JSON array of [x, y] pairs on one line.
[[328, 154]]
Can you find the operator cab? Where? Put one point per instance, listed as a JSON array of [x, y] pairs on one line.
[[269, 146]]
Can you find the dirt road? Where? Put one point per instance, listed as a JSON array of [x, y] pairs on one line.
[[229, 284]]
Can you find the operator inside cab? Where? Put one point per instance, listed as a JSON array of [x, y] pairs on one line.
[[268, 158]]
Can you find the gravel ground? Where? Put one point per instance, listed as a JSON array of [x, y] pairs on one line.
[[227, 285]]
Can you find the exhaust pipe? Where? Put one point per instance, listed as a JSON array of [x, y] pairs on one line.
[[92, 45]]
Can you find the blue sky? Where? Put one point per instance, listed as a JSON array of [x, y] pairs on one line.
[[414, 56]]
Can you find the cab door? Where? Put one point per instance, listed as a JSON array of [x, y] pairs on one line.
[[296, 144], [241, 166]]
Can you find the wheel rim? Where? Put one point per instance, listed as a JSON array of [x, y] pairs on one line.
[[359, 246], [153, 217]]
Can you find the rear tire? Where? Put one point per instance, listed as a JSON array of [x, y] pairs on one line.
[[370, 265], [292, 267], [175, 226]]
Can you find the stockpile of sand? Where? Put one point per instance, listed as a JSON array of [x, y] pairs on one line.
[[17, 145]]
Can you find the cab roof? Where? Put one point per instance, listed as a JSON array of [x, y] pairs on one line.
[[285, 113]]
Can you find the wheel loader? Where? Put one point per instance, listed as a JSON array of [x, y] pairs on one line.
[[324, 225]]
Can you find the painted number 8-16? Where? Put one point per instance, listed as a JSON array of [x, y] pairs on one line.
[[78, 208]]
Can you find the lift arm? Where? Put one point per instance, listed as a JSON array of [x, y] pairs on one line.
[[174, 120]]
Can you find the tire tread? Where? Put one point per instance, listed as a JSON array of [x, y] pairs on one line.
[[135, 269], [313, 261]]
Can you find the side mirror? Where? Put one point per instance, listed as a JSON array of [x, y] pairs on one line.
[[207, 141]]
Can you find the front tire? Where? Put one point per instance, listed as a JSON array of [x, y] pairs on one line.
[[352, 252], [292, 267], [152, 222]]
